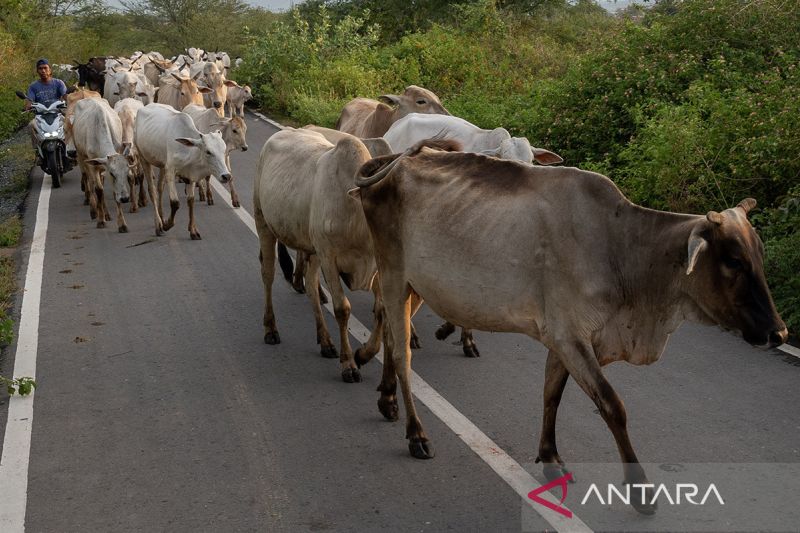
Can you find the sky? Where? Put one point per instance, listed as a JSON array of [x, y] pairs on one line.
[[283, 5]]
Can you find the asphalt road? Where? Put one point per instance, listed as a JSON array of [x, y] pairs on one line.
[[159, 408]]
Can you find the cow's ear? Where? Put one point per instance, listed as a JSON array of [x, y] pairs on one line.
[[494, 152], [697, 243], [204, 90], [188, 142], [389, 99], [355, 194], [546, 157], [99, 162], [231, 83]]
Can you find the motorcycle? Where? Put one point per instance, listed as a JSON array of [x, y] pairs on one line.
[[48, 124]]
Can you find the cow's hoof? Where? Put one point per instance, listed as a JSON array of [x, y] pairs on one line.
[[236, 203], [387, 405], [351, 375], [136, 210], [85, 200], [414, 343], [359, 358], [553, 471], [123, 229], [272, 338], [329, 352], [101, 224], [471, 351], [444, 331], [159, 232], [166, 226], [210, 202], [299, 288], [195, 236], [108, 217], [421, 448], [646, 506]]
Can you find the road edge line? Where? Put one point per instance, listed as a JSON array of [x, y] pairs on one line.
[[17, 440], [509, 470]]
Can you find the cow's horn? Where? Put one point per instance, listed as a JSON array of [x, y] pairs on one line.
[[714, 217], [747, 204]]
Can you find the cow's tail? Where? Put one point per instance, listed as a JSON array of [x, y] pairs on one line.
[[285, 261], [378, 168]]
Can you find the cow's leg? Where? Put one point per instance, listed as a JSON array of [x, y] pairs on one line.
[[398, 304], [468, 343], [327, 349], [266, 257], [102, 210], [147, 170], [193, 233], [142, 185], [581, 363], [122, 226], [341, 310], [168, 176], [132, 187], [201, 189], [366, 352], [387, 402], [207, 187], [234, 196], [555, 378], [445, 330]]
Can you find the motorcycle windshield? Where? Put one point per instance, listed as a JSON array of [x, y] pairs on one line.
[[49, 118]]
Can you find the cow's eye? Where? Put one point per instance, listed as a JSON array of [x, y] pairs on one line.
[[421, 102], [732, 263], [235, 131], [209, 153]]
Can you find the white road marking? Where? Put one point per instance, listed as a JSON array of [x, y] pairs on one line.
[[267, 120], [17, 442], [791, 350], [506, 467]]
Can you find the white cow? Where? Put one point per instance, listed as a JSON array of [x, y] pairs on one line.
[[237, 96], [178, 91], [97, 133], [233, 130], [167, 139], [415, 127], [127, 110], [209, 75], [119, 84]]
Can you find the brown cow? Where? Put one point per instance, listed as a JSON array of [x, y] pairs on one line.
[[367, 118], [592, 276]]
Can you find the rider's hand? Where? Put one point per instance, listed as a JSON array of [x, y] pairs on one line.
[[28, 105]]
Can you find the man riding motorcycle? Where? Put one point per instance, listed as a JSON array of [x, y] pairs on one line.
[[45, 91]]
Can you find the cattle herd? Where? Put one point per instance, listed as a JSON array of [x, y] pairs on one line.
[[416, 205]]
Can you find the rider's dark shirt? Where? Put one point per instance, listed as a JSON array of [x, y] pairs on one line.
[[46, 93]]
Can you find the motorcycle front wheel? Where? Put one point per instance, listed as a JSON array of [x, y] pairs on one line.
[[54, 168]]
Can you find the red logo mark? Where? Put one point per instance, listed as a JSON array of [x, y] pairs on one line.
[[560, 482]]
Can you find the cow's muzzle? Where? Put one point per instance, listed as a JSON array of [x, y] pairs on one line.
[[244, 148], [217, 104], [225, 178], [124, 200]]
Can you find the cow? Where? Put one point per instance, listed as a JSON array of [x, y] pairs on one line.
[[97, 132], [367, 118], [178, 91], [295, 274], [72, 98], [414, 127], [300, 199], [167, 139], [234, 132], [209, 75], [237, 96], [127, 109], [154, 68], [592, 276], [92, 73], [119, 84]]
